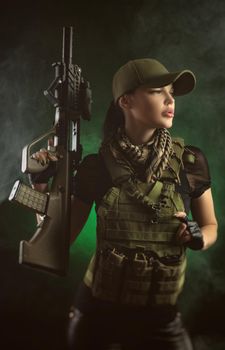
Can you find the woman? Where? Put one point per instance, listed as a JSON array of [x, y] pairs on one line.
[[144, 183]]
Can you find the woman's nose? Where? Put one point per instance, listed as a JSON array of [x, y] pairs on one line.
[[169, 98]]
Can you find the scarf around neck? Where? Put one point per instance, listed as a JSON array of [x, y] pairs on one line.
[[151, 157]]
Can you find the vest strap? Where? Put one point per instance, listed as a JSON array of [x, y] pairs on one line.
[[138, 261]]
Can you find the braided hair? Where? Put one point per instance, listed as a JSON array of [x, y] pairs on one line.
[[113, 120]]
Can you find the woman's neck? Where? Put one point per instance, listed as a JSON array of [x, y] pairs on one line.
[[138, 133]]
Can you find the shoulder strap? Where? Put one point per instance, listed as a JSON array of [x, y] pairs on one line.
[[118, 170], [175, 161], [189, 156]]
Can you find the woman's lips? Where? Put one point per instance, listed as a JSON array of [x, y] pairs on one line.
[[169, 113]]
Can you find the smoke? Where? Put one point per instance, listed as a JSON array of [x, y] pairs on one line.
[[208, 342], [182, 35], [23, 110], [187, 35]]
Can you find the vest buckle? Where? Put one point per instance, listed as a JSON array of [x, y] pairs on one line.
[[154, 220]]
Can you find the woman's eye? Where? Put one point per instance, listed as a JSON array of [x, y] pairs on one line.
[[154, 91], [159, 92]]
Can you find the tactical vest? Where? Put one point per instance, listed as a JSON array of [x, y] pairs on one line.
[[137, 260]]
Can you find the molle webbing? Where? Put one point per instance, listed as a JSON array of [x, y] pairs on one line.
[[138, 281], [131, 215]]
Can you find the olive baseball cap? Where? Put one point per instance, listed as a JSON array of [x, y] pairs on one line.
[[152, 73]]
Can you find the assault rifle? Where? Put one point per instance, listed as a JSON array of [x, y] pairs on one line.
[[70, 94]]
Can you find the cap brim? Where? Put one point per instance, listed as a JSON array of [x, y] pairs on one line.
[[183, 82]]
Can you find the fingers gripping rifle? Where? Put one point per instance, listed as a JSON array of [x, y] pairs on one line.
[[70, 94]]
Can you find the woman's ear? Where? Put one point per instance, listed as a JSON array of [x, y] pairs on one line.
[[124, 101]]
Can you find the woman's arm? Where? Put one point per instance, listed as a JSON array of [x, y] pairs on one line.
[[202, 209], [79, 215], [203, 213], [79, 212]]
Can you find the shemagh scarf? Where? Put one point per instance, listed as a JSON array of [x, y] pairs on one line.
[[152, 157]]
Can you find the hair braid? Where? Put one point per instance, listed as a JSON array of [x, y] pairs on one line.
[[164, 149]]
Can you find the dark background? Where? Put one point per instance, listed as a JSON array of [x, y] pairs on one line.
[[180, 34]]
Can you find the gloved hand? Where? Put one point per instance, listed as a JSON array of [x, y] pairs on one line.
[[44, 157], [190, 235]]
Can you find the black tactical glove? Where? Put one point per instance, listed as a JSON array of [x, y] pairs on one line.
[[196, 242]]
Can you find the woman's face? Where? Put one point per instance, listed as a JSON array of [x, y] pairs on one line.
[[153, 107]]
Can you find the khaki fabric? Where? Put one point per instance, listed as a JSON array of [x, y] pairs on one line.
[[138, 261]]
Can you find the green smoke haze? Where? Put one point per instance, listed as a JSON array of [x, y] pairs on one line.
[[181, 35]]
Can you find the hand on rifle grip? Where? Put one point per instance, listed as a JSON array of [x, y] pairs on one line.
[[44, 156]]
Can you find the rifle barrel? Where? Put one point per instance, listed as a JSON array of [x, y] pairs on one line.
[[67, 47]]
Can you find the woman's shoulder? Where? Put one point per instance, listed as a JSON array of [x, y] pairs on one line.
[[194, 157], [197, 170], [91, 163], [87, 177], [89, 159]]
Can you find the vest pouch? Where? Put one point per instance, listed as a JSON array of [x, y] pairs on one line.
[[137, 280], [167, 282], [108, 275]]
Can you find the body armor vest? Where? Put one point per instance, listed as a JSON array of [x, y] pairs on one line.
[[137, 260]]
